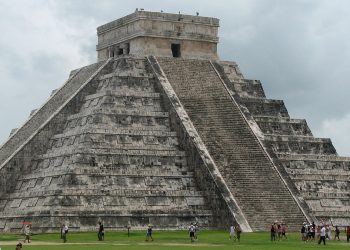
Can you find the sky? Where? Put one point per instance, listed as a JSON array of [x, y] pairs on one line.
[[299, 49]]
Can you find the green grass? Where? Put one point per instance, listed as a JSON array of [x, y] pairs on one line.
[[208, 240]]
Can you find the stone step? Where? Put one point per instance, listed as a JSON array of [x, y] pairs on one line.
[[313, 157], [228, 137], [117, 112], [123, 93], [126, 83], [108, 151], [131, 74], [163, 170], [118, 122], [273, 127], [104, 191], [265, 107], [108, 131], [299, 144], [317, 176]]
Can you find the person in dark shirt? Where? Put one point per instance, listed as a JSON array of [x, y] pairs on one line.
[[149, 233], [273, 232], [101, 232], [337, 233]]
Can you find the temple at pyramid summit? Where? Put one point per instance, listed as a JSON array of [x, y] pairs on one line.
[[161, 131]]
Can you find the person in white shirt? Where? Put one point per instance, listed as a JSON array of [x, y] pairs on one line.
[[232, 233], [322, 235], [192, 230], [64, 233]]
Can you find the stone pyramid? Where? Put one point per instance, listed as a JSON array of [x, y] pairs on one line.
[[160, 131]]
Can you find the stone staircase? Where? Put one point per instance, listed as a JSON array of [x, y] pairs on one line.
[[246, 168], [116, 160], [316, 173]]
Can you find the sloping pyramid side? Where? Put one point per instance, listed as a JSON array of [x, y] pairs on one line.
[[310, 166], [109, 154]]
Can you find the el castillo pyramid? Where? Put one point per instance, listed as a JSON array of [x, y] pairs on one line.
[[160, 131]]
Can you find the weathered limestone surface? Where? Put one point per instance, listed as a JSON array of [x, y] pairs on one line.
[[43, 114], [153, 33], [206, 172], [243, 163], [32, 138], [115, 159], [310, 166]]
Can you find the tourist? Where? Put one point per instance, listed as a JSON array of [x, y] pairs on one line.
[[311, 232], [61, 229], [279, 231], [19, 246], [149, 233], [196, 230], [64, 233], [192, 230], [314, 227], [303, 232], [101, 232], [348, 234], [318, 229], [328, 232], [322, 235], [284, 230], [27, 233], [337, 233], [232, 233], [238, 232], [273, 232]]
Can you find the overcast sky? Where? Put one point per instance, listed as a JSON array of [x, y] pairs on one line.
[[299, 49]]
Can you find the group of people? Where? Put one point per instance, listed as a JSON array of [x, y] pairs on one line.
[[323, 232], [278, 231], [309, 232]]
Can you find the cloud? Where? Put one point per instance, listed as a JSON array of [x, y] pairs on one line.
[[299, 50], [38, 49]]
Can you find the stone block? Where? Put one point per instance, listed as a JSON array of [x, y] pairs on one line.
[[195, 201], [16, 203], [157, 201]]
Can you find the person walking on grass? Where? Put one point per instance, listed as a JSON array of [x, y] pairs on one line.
[[284, 231], [348, 234], [233, 233], [101, 232], [279, 231], [273, 232], [64, 233], [303, 232], [238, 233], [328, 232], [149, 233], [192, 230], [61, 229], [27, 233], [322, 235], [337, 233]]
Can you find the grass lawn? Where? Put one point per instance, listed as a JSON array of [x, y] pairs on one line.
[[208, 240]]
